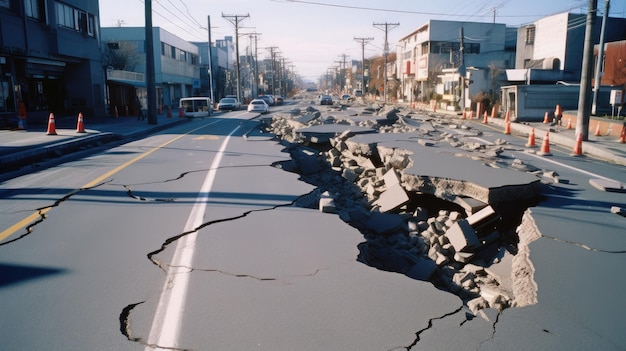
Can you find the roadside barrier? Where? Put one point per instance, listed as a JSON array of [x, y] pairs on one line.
[[80, 125], [51, 126], [531, 138]]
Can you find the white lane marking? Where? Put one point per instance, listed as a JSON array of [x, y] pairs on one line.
[[168, 316], [571, 167]]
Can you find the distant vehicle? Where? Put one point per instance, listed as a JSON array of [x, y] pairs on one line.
[[196, 106], [258, 105], [269, 99], [228, 104], [346, 97], [279, 99], [326, 100], [358, 92]]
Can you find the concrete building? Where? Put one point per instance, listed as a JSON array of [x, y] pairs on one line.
[[430, 62], [551, 48], [50, 58], [177, 67]]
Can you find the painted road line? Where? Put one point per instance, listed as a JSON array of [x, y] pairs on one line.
[[168, 316], [24, 223]]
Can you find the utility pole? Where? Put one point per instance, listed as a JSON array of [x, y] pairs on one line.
[[596, 85], [386, 27], [462, 70], [584, 106], [255, 36], [235, 20], [342, 72], [363, 41], [150, 80], [211, 80], [273, 58]]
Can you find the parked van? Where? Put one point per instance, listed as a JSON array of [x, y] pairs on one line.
[[199, 106]]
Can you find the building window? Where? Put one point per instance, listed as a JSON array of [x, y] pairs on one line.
[[34, 9], [73, 18], [5, 3], [530, 35]]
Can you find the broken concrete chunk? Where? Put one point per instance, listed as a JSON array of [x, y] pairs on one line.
[[618, 210], [391, 178], [463, 237], [392, 198], [608, 185], [422, 270], [384, 223], [327, 203]]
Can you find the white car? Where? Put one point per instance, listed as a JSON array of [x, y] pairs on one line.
[[258, 105]]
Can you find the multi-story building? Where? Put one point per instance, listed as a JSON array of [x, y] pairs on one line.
[[551, 48], [433, 59], [50, 58], [176, 62]]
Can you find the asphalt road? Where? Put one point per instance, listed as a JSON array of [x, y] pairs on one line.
[[191, 239]]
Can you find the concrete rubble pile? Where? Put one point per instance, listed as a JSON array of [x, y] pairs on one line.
[[460, 245]]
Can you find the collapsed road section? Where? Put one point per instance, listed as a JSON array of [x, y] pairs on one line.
[[432, 201]]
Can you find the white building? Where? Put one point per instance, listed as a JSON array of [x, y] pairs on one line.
[[429, 59]]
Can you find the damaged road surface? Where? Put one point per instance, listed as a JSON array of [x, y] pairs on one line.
[[356, 227]]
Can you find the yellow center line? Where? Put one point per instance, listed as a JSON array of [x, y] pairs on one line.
[[40, 213]]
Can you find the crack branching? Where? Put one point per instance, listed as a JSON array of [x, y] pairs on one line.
[[430, 325], [175, 238], [42, 212], [493, 331]]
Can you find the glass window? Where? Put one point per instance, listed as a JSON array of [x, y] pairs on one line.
[[33, 8], [5, 3]]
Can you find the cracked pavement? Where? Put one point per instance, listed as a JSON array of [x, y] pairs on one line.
[[272, 271]]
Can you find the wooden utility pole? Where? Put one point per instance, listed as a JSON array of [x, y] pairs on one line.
[[584, 98], [235, 20], [386, 27], [363, 41]]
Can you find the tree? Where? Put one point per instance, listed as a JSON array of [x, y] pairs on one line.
[[122, 55]]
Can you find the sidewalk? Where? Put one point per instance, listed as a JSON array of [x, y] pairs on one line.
[[20, 147], [605, 146]]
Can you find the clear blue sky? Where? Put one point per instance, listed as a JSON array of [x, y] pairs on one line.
[[312, 35]]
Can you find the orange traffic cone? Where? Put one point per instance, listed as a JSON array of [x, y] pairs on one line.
[[485, 116], [493, 112], [545, 146], [116, 112], [507, 128], [464, 115], [80, 126], [546, 118], [169, 112], [578, 147], [597, 132], [531, 138], [181, 114], [471, 115], [622, 138], [569, 124], [478, 108], [51, 126], [507, 117]]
